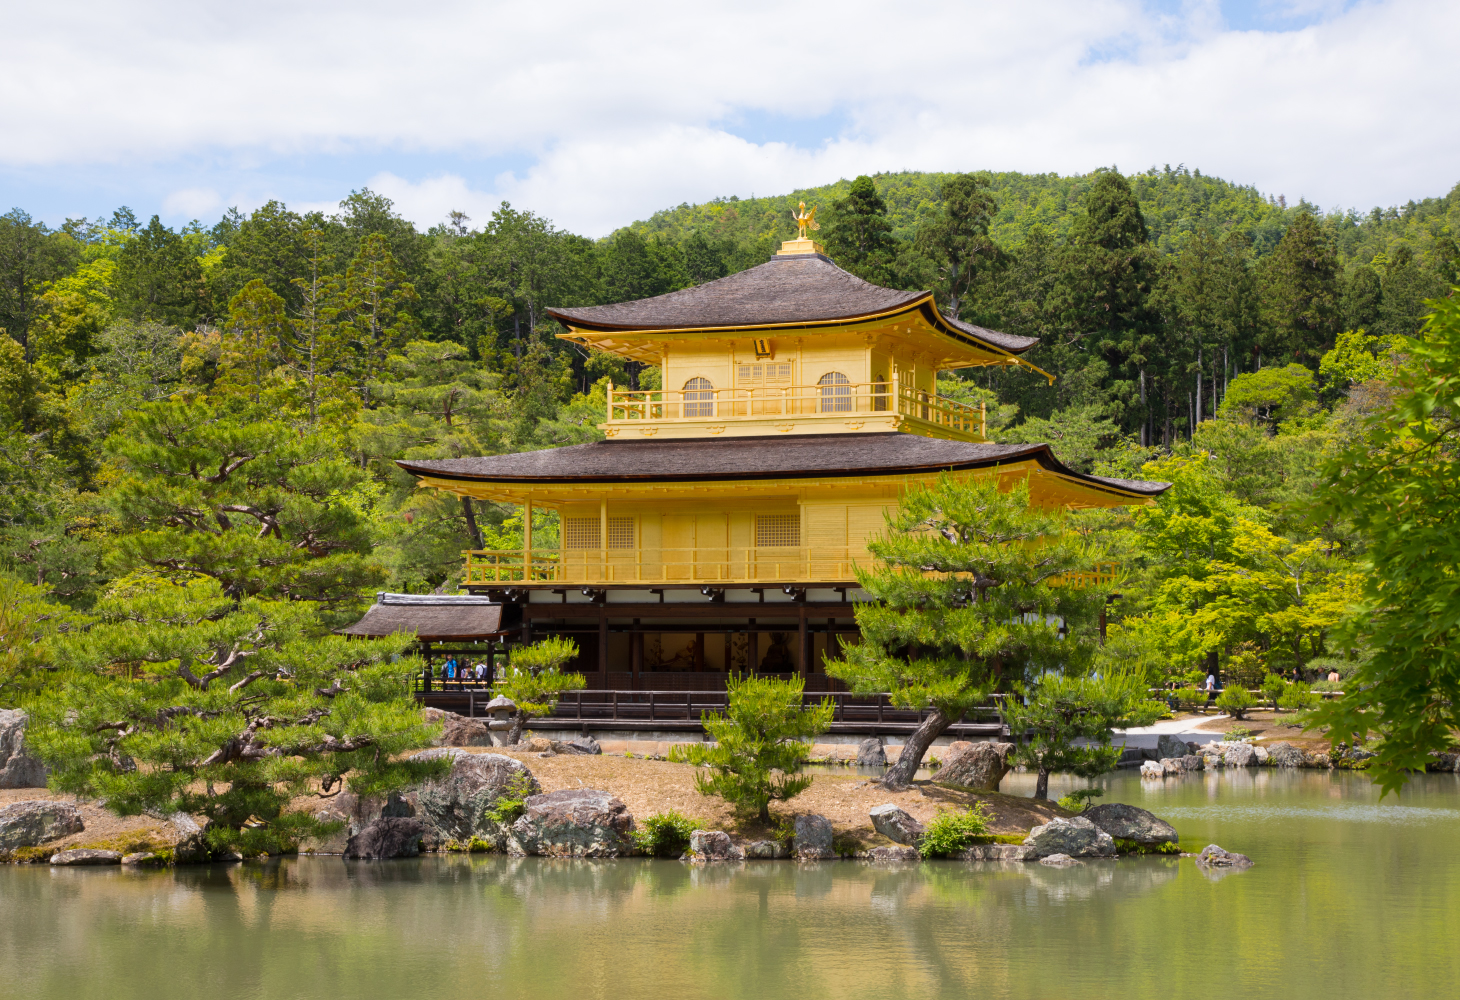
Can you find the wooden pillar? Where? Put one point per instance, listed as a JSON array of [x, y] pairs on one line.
[[603, 539], [726, 661], [636, 652], [526, 547], [603, 641], [804, 637]]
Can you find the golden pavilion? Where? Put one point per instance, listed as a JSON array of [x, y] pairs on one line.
[[717, 526]]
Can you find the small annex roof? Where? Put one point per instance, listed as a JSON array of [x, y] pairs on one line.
[[430, 617], [818, 456], [790, 290]]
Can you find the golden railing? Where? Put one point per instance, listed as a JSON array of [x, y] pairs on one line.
[[825, 401], [707, 565], [710, 565]]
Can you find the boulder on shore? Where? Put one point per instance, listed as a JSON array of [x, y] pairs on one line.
[[977, 766], [86, 856], [1170, 746], [1239, 755], [1284, 755], [387, 837], [813, 838], [714, 845], [455, 807], [870, 753], [1215, 857], [461, 731], [999, 852], [585, 745], [1125, 822], [26, 824], [767, 849], [1153, 769], [18, 769], [899, 853], [1075, 836], [896, 824], [574, 823]]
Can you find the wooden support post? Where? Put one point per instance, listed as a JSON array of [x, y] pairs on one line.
[[636, 652], [805, 644], [526, 543], [603, 540], [725, 665], [603, 641]]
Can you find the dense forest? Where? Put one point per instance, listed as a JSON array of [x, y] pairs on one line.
[[227, 401]]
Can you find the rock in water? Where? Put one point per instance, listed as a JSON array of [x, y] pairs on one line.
[[1153, 769], [387, 837], [767, 849], [455, 807], [1125, 822], [1172, 765], [26, 824], [1191, 762], [581, 745], [1169, 746], [18, 769], [715, 845], [574, 823], [143, 859], [896, 824], [979, 766], [1076, 836], [1239, 755], [86, 856], [1284, 755], [1214, 856], [1058, 861], [885, 854], [813, 838], [871, 754], [999, 852], [191, 847]]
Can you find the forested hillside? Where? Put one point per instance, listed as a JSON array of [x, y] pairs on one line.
[[307, 352]]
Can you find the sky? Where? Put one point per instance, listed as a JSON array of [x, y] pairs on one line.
[[597, 114]]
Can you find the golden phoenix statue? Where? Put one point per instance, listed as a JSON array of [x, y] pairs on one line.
[[805, 220]]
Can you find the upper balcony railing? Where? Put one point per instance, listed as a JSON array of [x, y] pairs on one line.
[[844, 401]]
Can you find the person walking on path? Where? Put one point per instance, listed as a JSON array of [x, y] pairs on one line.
[[1211, 689]]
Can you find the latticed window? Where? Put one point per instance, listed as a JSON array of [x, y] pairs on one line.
[[836, 393], [620, 532], [770, 373], [699, 398], [775, 531], [582, 533]]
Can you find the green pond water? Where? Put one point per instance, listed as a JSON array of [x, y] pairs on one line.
[[1350, 897]]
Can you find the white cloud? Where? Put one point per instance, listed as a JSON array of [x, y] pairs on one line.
[[195, 202], [615, 106]]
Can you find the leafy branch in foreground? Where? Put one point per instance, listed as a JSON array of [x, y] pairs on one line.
[[176, 699], [1399, 483]]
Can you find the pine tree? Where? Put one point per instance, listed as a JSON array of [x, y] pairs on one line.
[[1300, 295], [859, 237], [957, 241], [964, 601]]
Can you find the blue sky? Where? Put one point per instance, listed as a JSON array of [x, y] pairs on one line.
[[596, 115]]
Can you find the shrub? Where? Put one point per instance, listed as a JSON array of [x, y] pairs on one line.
[[1079, 801], [1235, 701], [535, 679], [1298, 698], [758, 746], [1245, 669], [950, 832], [1193, 698], [1273, 687], [1123, 846], [664, 835], [1238, 733], [511, 803]]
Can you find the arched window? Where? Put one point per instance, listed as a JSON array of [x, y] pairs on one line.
[[699, 398], [836, 393]]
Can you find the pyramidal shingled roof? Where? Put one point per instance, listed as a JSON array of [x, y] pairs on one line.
[[796, 288]]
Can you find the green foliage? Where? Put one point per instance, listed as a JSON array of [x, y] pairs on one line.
[[1235, 700], [952, 831], [1123, 846], [756, 746], [176, 697], [1057, 710], [1298, 697], [1273, 688], [664, 834], [1397, 482], [964, 579], [535, 678], [1271, 394], [1079, 800], [511, 802]]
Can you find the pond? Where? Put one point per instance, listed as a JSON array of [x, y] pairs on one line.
[[1350, 897]]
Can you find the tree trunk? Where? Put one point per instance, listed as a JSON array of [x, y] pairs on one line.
[[1041, 786], [514, 735], [900, 775], [471, 524]]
